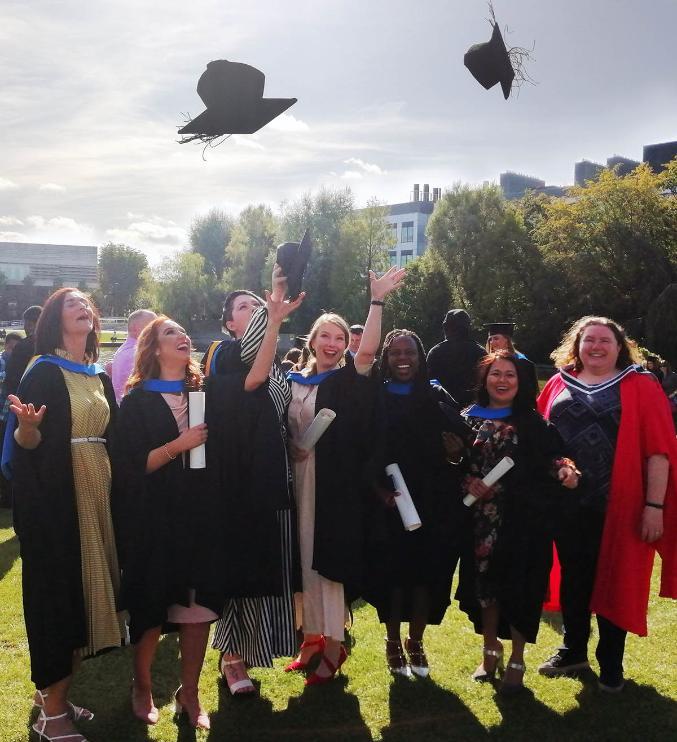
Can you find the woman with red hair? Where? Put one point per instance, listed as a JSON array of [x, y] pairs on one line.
[[165, 579]]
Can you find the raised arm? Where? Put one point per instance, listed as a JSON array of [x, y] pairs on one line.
[[371, 337]]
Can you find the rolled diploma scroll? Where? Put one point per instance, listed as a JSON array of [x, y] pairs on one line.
[[196, 416], [323, 419], [503, 467], [410, 518]]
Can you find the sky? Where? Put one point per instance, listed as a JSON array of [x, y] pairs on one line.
[[92, 94]]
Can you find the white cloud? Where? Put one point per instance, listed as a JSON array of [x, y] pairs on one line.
[[12, 237], [352, 175], [247, 140], [52, 187], [367, 167], [7, 185], [10, 221], [156, 231], [287, 122]]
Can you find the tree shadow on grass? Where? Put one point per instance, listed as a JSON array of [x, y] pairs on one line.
[[422, 710], [324, 712], [9, 553]]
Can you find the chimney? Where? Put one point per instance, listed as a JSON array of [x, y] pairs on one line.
[[415, 191], [436, 194], [426, 192]]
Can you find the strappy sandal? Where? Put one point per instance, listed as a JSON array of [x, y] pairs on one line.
[[242, 687], [77, 713], [297, 665], [44, 719], [481, 675], [402, 666], [417, 657], [512, 689]]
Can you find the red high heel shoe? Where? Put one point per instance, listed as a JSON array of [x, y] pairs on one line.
[[297, 665], [316, 679]]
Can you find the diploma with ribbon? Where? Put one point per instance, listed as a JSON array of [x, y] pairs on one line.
[[410, 517], [503, 467], [323, 419], [196, 416]]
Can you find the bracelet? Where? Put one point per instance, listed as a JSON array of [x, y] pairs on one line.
[[377, 303], [657, 505], [166, 450], [454, 463]]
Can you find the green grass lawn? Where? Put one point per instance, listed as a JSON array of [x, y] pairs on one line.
[[365, 703]]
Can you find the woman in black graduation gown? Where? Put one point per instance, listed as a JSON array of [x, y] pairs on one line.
[[330, 480], [247, 398], [65, 408], [503, 585], [410, 572], [166, 529]]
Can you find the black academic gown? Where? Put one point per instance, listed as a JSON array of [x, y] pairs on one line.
[[46, 522], [249, 477], [166, 525], [521, 562], [341, 484], [426, 557]]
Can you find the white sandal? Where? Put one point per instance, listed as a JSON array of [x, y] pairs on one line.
[[238, 685], [43, 718], [77, 713]]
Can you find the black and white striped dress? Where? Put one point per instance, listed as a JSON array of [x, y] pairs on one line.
[[260, 629]]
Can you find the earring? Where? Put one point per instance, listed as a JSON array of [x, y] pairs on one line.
[[312, 351]]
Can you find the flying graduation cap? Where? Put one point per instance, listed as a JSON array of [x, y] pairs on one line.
[[233, 94], [492, 62], [293, 258]]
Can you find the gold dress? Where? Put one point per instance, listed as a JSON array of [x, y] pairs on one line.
[[92, 478]]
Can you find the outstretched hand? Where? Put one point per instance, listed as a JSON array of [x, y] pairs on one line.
[[25, 413], [278, 308], [389, 281]]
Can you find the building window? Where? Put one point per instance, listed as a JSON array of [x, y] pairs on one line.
[[393, 231], [406, 256], [407, 232], [393, 258]]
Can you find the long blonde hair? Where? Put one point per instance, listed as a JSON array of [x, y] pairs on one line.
[[308, 360], [568, 351]]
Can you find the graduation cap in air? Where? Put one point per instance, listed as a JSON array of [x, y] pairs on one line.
[[490, 63], [233, 94], [293, 258], [501, 328]]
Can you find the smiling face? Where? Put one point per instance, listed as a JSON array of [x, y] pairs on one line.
[[243, 308], [173, 345], [403, 360], [77, 315], [502, 383], [498, 342], [329, 344], [598, 350], [355, 339]]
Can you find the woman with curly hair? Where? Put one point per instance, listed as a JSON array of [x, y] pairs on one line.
[[615, 419], [166, 517], [409, 573], [502, 587]]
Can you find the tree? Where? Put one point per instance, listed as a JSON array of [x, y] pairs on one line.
[[253, 239], [185, 291], [120, 270], [661, 324], [209, 235]]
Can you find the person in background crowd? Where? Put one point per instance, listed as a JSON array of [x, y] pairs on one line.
[[615, 421], [166, 532], [503, 589], [123, 360], [11, 339], [653, 365], [291, 358], [500, 337], [330, 479], [409, 573], [23, 351], [453, 362], [355, 339], [65, 410]]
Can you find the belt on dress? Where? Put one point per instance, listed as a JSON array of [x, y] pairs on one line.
[[90, 439]]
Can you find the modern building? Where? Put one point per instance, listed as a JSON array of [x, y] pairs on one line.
[[586, 170], [32, 271], [408, 222], [515, 185], [623, 165], [658, 155]]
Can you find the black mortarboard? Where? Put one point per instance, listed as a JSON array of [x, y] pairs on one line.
[[233, 94], [293, 258], [489, 62], [501, 328]]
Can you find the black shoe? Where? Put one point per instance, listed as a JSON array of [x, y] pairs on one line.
[[611, 683], [563, 662]]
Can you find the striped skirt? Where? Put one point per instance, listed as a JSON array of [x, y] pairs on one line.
[[260, 629]]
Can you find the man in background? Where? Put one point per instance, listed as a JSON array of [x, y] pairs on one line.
[[23, 351], [123, 360], [355, 339]]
